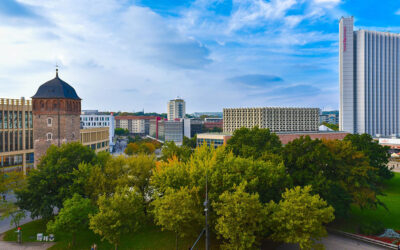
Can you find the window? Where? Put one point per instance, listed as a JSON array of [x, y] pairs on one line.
[[49, 136], [49, 122]]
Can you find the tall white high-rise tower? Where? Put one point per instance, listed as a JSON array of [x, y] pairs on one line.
[[176, 109]]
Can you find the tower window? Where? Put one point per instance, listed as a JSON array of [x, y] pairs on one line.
[[49, 122], [49, 136]]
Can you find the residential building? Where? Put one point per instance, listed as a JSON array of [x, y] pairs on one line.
[[176, 109], [96, 119], [369, 63], [331, 117], [135, 124], [16, 134], [276, 119], [174, 131], [56, 110]]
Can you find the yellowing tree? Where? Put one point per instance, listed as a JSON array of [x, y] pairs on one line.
[[299, 218]]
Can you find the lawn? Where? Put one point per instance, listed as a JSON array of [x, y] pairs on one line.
[[149, 237], [390, 218]]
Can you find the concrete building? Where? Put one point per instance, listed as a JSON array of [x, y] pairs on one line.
[[174, 131], [96, 119], [157, 129], [276, 119], [135, 124], [56, 116], [331, 117], [212, 139], [176, 109], [16, 134], [369, 63]]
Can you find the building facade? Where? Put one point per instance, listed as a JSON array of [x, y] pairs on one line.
[[369, 64], [135, 124], [331, 117], [16, 134], [157, 129], [192, 127], [95, 119], [174, 131], [97, 139], [176, 109], [276, 119], [56, 110]]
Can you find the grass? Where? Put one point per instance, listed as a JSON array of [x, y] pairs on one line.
[[149, 237], [390, 218]]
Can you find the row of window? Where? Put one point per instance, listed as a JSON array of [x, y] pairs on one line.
[[13, 119], [106, 124], [15, 160], [101, 118], [12, 141]]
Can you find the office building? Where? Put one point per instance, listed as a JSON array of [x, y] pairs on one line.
[[157, 128], [213, 123], [96, 119], [176, 109], [331, 117], [369, 63], [173, 131], [192, 127], [97, 139], [276, 119], [16, 134]]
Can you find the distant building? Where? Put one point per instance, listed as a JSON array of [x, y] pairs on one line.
[[211, 114], [276, 119], [95, 119], [157, 129], [135, 124], [97, 139], [211, 123], [331, 117], [192, 127], [176, 109], [174, 131], [213, 139], [369, 69]]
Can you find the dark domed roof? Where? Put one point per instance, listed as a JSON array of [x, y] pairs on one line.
[[56, 88]]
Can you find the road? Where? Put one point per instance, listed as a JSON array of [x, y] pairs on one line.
[[336, 242]]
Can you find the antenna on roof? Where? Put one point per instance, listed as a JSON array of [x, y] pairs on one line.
[[56, 70]]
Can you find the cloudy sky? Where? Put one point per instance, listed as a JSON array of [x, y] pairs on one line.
[[138, 54]]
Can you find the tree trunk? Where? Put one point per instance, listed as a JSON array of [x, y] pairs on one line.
[[176, 241]]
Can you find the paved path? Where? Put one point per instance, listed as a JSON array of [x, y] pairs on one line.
[[25, 246], [336, 242]]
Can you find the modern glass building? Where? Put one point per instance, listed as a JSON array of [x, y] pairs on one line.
[[369, 67]]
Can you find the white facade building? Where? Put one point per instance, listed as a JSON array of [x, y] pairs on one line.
[[92, 120], [176, 109], [369, 68]]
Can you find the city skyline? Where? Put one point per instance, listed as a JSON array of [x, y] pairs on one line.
[[140, 54]]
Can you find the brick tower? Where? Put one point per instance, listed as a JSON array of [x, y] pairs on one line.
[[56, 116]]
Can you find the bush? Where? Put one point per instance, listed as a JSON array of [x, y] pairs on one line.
[[372, 228]]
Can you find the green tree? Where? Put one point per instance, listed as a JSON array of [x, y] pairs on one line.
[[241, 217], [170, 149], [10, 181], [334, 127], [132, 148], [121, 131], [190, 143], [73, 217], [299, 218], [253, 142], [51, 183], [179, 211], [119, 214], [11, 210], [377, 154]]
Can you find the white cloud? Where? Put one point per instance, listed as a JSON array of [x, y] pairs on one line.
[[398, 12]]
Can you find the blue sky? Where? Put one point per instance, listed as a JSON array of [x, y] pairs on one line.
[[137, 54]]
